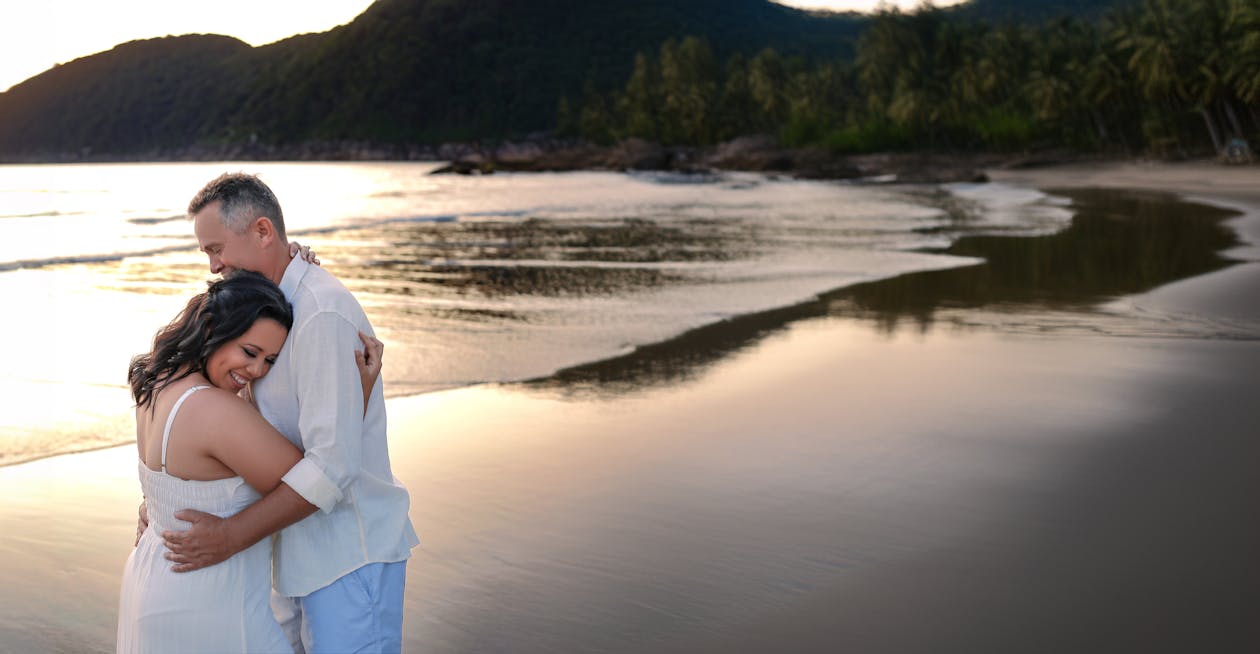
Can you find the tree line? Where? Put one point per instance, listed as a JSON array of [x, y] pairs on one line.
[[1168, 77]]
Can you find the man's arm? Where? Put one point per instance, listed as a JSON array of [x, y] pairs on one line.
[[330, 408], [213, 540]]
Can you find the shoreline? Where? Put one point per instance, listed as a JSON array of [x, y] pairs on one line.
[[1230, 187], [758, 153], [834, 483], [751, 153], [708, 340]]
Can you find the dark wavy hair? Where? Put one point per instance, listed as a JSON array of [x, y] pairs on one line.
[[227, 309]]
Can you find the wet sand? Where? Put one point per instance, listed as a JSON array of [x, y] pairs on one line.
[[1024, 472]]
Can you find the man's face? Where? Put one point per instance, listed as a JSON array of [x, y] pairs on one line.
[[226, 250]]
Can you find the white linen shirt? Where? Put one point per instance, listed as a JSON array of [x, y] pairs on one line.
[[314, 397]]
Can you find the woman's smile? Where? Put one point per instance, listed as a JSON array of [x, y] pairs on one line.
[[250, 356]]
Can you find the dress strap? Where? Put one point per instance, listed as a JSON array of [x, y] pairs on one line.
[[170, 420]]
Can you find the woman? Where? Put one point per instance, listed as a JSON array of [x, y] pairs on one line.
[[203, 447]]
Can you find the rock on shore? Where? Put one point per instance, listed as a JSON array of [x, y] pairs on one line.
[[750, 153]]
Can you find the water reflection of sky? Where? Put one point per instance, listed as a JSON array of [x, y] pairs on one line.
[[515, 277], [468, 279]]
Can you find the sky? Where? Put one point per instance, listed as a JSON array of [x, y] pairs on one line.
[[48, 32]]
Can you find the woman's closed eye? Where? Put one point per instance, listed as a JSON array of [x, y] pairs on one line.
[[253, 354]]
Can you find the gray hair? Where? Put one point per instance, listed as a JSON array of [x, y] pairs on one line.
[[244, 198]]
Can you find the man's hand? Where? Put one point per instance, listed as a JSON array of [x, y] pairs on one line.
[[142, 523], [206, 543]]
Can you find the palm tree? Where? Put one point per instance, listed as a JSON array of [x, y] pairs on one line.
[[1209, 31], [884, 48], [767, 81], [1148, 35], [640, 102], [739, 112], [1241, 67]]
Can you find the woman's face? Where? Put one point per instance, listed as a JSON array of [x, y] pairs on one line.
[[248, 357]]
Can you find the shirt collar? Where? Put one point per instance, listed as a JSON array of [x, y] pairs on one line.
[[293, 275]]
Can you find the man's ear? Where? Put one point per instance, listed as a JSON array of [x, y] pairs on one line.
[[264, 230]]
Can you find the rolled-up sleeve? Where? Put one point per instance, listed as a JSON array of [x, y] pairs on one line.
[[330, 408], [313, 485]]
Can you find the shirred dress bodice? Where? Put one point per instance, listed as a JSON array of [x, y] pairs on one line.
[[164, 494]]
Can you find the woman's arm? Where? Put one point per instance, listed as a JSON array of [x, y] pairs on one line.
[[238, 437], [296, 249]]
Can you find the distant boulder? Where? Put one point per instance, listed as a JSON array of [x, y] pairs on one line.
[[638, 154], [754, 153]]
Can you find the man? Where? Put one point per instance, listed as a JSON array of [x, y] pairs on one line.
[[339, 573]]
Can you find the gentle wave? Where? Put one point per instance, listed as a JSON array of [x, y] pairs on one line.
[[1003, 209], [41, 214], [14, 459], [22, 264], [25, 264], [157, 220]]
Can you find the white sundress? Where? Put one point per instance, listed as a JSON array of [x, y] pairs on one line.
[[222, 608]]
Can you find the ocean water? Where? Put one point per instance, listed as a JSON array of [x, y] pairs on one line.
[[468, 280]]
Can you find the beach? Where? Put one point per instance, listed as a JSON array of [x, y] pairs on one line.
[[1032, 468]]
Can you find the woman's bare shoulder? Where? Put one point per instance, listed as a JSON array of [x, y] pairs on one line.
[[213, 408]]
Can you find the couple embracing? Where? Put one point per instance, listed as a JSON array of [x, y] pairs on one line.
[[259, 412]]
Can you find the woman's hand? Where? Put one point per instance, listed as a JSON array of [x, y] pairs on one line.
[[142, 523], [369, 362], [297, 249]]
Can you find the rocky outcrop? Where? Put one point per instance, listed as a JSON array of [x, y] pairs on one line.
[[750, 153]]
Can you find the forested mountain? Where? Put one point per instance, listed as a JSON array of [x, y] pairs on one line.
[[1133, 75], [139, 94], [403, 71]]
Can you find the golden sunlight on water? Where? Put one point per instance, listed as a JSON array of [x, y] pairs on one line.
[[65, 378], [513, 277], [54, 212], [110, 257]]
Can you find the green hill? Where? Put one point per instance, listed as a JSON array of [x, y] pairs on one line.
[[407, 72], [141, 94], [403, 71]]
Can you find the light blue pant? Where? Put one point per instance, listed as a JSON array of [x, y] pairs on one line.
[[359, 613]]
